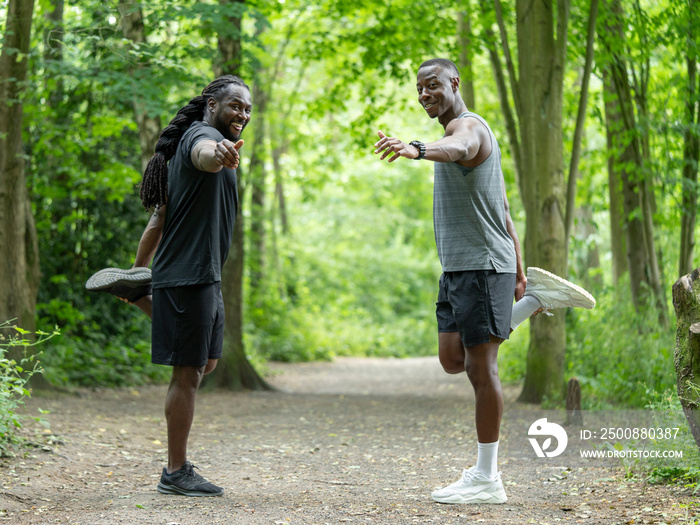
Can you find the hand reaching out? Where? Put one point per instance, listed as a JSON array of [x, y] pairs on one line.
[[391, 145], [226, 153]]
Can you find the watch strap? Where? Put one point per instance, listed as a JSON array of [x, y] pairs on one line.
[[420, 147]]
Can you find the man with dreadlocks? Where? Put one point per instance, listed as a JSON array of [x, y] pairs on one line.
[[193, 171]]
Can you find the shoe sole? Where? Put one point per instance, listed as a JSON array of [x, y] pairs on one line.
[[481, 497], [172, 489], [538, 274], [108, 277]]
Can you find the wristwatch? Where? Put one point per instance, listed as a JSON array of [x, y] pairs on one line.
[[420, 147]]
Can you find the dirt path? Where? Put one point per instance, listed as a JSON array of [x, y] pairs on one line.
[[354, 441]]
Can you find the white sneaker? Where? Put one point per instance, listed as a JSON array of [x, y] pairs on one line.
[[472, 487], [554, 292]]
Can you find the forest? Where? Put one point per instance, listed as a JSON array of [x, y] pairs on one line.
[[595, 104]]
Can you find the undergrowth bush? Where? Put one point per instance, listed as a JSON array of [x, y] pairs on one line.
[[108, 347], [618, 354], [15, 373], [656, 469]]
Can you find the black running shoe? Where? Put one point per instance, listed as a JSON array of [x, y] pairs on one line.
[[186, 482], [129, 284]]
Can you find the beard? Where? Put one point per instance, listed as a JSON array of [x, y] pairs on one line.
[[224, 127]]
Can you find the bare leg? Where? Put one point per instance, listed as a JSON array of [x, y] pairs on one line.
[[451, 352], [145, 304], [179, 409], [482, 370], [481, 367], [179, 412]]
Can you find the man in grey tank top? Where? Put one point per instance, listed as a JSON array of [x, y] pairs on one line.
[[482, 267]]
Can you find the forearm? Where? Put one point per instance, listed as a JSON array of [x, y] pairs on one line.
[[150, 238], [510, 226], [450, 149], [204, 157]]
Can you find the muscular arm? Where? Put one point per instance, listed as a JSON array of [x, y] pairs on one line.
[[150, 238], [466, 142]]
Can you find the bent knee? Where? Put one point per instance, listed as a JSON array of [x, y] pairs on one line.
[[452, 366], [210, 366]]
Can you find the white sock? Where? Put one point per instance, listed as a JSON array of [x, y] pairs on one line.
[[487, 458], [523, 309]]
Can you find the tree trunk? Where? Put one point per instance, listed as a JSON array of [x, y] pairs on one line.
[[19, 272], [621, 157], [585, 229], [279, 190], [691, 157], [618, 246], [53, 54], [258, 172], [149, 127], [686, 292], [466, 53], [541, 67], [631, 151], [501, 86], [580, 119], [234, 371]]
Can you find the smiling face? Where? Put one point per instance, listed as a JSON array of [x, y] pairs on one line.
[[231, 112], [436, 90]]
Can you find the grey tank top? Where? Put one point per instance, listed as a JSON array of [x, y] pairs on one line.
[[469, 214]]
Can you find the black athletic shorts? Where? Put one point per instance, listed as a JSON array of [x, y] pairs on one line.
[[188, 325], [476, 304]]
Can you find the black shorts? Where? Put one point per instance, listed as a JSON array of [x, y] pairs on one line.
[[476, 304], [188, 325]]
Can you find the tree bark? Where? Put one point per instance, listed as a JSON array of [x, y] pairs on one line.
[[501, 86], [618, 230], [466, 53], [541, 68], [53, 51], [279, 189], [149, 126], [234, 371], [580, 119], [258, 176], [621, 158], [691, 157], [631, 151], [19, 272], [686, 292]]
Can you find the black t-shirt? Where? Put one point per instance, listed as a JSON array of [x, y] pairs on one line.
[[200, 214]]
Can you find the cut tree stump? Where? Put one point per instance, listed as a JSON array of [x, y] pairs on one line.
[[686, 301], [574, 416]]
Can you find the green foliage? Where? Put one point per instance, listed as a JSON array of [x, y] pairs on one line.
[[658, 472], [357, 273], [512, 355], [17, 366], [617, 362], [360, 276]]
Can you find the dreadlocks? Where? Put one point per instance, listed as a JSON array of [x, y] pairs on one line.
[[154, 186]]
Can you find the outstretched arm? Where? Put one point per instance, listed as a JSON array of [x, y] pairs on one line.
[[465, 140], [211, 156]]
